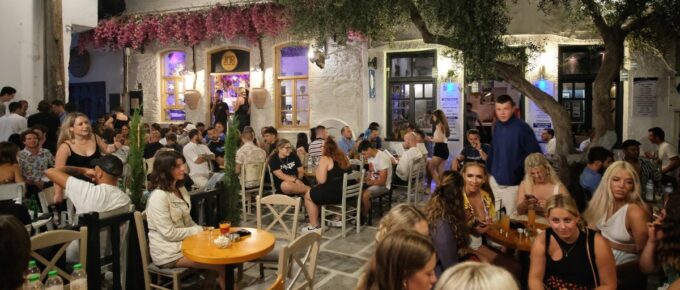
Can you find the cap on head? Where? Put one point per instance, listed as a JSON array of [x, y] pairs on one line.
[[110, 164]]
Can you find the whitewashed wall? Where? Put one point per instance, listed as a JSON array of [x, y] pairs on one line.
[[105, 66]]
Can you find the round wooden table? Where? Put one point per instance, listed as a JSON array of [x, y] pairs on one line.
[[513, 239], [200, 248]]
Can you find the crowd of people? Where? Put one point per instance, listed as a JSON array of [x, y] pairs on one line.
[[610, 241]]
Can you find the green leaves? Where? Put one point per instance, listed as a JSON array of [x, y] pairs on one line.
[[232, 187], [136, 161]]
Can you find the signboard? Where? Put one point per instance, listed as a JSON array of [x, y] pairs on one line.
[[536, 118], [229, 61], [644, 97], [450, 97]]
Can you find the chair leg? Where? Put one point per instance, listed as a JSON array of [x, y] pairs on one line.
[[175, 282], [261, 271], [343, 219]]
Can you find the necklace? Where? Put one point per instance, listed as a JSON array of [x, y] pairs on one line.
[[566, 253]]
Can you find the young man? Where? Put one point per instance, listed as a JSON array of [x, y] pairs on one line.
[[12, 123], [58, 109], [474, 152], [316, 147], [34, 161], [216, 146], [6, 95], [599, 159], [645, 168], [548, 136], [154, 145], [50, 121], [198, 155], [102, 196], [378, 178], [270, 138], [249, 152], [171, 139], [665, 152], [512, 141]]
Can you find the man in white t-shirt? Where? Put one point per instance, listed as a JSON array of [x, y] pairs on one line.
[[198, 157], [101, 196], [665, 152], [249, 153], [379, 176], [411, 154]]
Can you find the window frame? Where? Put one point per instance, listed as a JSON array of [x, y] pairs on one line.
[[164, 90], [292, 93]]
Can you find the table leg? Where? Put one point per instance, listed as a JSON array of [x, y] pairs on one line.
[[230, 280]]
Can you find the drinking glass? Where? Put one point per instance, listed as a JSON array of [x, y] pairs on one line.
[[225, 226], [531, 218], [505, 224]]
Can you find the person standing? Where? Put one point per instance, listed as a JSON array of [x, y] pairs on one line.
[[59, 110], [665, 152], [441, 148], [471, 118], [242, 109], [6, 95], [12, 123], [513, 141], [50, 121], [548, 136]]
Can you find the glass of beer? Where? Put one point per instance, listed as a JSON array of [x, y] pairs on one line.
[[225, 226], [505, 224]]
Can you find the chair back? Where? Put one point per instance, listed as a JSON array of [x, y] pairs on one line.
[[280, 208], [251, 175], [300, 255], [62, 239], [140, 220], [148, 165], [46, 197], [414, 181], [271, 178], [14, 191], [354, 189]]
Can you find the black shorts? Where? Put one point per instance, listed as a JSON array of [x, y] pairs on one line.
[[321, 195], [441, 150]]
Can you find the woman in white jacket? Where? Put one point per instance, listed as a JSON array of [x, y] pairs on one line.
[[167, 212]]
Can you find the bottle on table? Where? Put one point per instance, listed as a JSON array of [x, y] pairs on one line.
[[34, 208], [32, 268], [34, 283], [79, 281], [649, 190], [54, 282]]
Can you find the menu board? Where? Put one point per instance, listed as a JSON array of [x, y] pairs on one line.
[[450, 104]]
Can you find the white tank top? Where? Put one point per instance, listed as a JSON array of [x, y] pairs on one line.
[[615, 230], [438, 136]]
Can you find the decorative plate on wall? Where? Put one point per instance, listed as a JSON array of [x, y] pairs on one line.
[[79, 63]]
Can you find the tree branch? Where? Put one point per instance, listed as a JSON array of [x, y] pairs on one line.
[[633, 23], [594, 11], [428, 37]]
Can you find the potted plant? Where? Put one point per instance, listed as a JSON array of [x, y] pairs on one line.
[[232, 187], [136, 161]]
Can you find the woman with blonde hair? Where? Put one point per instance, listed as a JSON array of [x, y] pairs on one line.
[[476, 276], [618, 212], [446, 215], [569, 255], [440, 135], [404, 260], [400, 217], [78, 146], [539, 184]]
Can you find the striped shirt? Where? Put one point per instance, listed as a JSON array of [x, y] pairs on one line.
[[315, 151]]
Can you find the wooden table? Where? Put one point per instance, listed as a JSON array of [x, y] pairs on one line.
[[200, 248], [512, 240]]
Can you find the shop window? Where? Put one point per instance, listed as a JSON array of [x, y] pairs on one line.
[[173, 66], [292, 89]]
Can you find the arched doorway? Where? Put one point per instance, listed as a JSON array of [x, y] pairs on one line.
[[229, 71]]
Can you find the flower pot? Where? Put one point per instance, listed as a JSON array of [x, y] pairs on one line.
[[191, 98], [259, 96]]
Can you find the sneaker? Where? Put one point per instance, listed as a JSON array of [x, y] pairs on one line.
[[310, 228], [335, 224]]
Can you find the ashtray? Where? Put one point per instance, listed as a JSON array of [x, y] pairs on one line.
[[222, 242]]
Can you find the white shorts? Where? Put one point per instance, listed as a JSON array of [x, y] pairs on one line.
[[506, 196]]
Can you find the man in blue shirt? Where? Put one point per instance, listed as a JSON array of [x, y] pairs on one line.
[[346, 143], [599, 159], [512, 141]]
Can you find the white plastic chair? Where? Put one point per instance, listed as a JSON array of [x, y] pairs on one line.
[[285, 212], [413, 185], [343, 210], [61, 238]]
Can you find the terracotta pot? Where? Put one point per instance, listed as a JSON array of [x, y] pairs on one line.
[[191, 98], [258, 96]]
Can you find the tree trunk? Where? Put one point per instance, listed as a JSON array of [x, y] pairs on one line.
[[54, 51], [611, 63], [560, 119]]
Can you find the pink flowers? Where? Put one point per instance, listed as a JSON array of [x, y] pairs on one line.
[[188, 28]]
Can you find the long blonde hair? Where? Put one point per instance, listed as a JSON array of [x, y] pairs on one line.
[[476, 276], [538, 160], [565, 202], [65, 132], [401, 216], [602, 202]]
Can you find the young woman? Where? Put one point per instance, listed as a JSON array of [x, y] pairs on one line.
[[661, 250], [446, 216], [479, 212], [404, 260], [476, 276], [15, 251], [242, 109], [168, 213], [10, 172], [540, 184], [617, 210], [79, 146], [329, 174], [441, 149], [302, 147], [402, 217], [568, 255], [287, 169]]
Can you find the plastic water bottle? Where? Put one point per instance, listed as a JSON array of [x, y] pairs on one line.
[[649, 190], [32, 268], [34, 283], [54, 282], [79, 281]]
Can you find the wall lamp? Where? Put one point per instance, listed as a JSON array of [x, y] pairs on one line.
[[373, 62]]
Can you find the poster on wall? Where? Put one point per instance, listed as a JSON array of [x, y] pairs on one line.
[[371, 83], [536, 118], [644, 97], [450, 97]]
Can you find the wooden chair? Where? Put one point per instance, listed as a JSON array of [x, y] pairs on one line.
[[14, 191], [251, 174], [285, 212], [61, 238], [300, 255], [149, 268], [412, 185], [349, 193]]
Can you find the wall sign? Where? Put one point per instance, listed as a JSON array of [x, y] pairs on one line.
[[536, 118], [450, 96], [229, 60], [644, 97]]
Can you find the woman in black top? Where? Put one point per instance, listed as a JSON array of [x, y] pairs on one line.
[[287, 169], [329, 173], [242, 109], [569, 256]]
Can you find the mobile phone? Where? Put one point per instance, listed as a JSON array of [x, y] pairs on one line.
[[529, 196], [243, 232]]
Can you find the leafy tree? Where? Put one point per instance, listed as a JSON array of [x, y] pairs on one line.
[[475, 29], [136, 161], [232, 186]]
